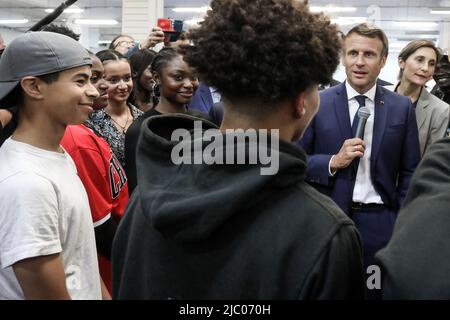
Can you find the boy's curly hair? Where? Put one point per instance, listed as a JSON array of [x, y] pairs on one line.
[[263, 50]]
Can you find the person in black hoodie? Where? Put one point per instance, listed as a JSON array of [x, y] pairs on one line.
[[220, 231]]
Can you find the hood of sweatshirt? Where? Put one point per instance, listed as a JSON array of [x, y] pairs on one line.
[[186, 196]]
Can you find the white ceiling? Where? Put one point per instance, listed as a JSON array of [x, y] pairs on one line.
[[33, 10], [112, 9], [383, 12]]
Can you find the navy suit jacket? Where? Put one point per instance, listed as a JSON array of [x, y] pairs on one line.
[[202, 99], [395, 146]]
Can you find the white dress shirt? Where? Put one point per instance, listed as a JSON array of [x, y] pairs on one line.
[[215, 95], [364, 190]]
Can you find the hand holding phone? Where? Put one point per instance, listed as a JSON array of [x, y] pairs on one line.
[[155, 36]]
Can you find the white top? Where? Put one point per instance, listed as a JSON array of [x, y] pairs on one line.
[[364, 190], [44, 210]]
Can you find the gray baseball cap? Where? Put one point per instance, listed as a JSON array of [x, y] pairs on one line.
[[37, 54]]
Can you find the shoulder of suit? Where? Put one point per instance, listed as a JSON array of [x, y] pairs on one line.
[[435, 102], [390, 87], [332, 90], [393, 95]]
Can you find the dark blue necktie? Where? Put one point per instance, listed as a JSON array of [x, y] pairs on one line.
[[362, 103]]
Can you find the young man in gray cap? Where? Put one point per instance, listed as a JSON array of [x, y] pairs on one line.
[[47, 244]]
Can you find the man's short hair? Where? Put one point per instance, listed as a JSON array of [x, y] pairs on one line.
[[371, 31]]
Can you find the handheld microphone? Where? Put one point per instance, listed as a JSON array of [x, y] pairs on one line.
[[363, 115]]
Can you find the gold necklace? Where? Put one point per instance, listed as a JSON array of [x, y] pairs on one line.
[[124, 127]]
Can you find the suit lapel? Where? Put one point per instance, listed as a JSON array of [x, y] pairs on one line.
[[379, 126], [342, 112]]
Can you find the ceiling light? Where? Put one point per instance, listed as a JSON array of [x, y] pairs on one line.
[[427, 32], [397, 45], [104, 42], [332, 9], [192, 9], [193, 21], [68, 10], [344, 21], [415, 24], [16, 21], [440, 11], [421, 36], [105, 22]]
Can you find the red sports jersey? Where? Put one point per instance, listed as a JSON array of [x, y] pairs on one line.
[[103, 178], [99, 170]]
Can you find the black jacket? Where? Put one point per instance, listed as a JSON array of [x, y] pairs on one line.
[[228, 232], [416, 262], [131, 140]]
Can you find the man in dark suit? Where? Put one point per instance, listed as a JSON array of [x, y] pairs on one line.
[[367, 178]]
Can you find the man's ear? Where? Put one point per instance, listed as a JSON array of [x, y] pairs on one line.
[[299, 110], [32, 87], [383, 61]]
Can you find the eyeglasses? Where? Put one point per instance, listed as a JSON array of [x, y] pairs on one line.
[[124, 43]]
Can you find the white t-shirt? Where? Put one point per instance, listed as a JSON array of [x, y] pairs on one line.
[[44, 210]]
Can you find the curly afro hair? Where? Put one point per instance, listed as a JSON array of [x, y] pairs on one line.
[[263, 50]]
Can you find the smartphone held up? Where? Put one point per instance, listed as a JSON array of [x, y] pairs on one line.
[[171, 28]]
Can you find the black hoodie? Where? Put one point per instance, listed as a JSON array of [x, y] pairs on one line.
[[416, 262], [227, 232]]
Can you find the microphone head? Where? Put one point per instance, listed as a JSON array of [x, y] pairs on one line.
[[364, 113]]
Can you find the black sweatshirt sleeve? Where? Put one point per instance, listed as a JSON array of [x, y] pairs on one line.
[[338, 273]]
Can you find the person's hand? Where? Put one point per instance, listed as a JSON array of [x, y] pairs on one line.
[[351, 149], [156, 36]]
